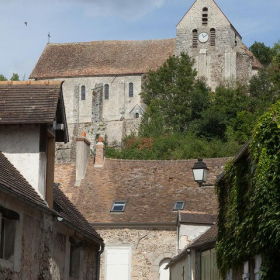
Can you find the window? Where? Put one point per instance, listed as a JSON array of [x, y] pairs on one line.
[[83, 93], [8, 219], [204, 16], [136, 115], [75, 250], [212, 37], [106, 88], [130, 94], [118, 206], [179, 205], [194, 36]]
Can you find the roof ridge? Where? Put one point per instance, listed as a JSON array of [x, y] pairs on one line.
[[31, 82]]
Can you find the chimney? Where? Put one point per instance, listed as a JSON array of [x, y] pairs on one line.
[[82, 154], [99, 154]]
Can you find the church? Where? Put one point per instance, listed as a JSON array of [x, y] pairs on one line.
[[102, 79]]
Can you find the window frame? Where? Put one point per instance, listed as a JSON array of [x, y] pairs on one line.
[[181, 208], [117, 203], [83, 92], [106, 92], [130, 89]]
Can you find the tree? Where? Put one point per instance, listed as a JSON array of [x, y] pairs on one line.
[[263, 53], [15, 77], [2, 78], [174, 97]]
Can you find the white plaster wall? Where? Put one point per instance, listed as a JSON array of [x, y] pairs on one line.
[[187, 233], [20, 144]]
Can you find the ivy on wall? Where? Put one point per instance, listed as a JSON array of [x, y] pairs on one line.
[[249, 202]]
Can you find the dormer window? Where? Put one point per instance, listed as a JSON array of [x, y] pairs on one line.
[[118, 206], [179, 205], [194, 36], [83, 93], [212, 37], [205, 16]]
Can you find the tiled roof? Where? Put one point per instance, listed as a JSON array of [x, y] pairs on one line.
[[196, 218], [208, 237], [66, 210], [12, 180], [28, 102], [150, 189], [102, 58]]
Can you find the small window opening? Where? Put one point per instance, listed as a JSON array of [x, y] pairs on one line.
[[118, 206], [83, 93], [136, 115], [204, 16], [194, 33], [212, 37], [7, 238], [235, 39], [74, 268], [179, 205], [106, 88], [130, 94]]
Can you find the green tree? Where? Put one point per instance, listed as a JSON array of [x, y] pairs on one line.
[[262, 52], [2, 78], [174, 97], [15, 77]]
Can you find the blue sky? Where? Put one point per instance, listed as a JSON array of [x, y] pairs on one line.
[[90, 20]]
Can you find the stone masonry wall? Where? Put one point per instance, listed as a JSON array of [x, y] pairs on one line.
[[148, 248]]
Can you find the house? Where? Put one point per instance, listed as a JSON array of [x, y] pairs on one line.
[[43, 235], [133, 205], [103, 79], [198, 260]]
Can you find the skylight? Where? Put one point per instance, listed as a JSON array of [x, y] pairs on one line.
[[179, 205], [118, 206]]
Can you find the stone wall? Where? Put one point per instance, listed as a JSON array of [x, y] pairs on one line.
[[148, 248], [42, 247]]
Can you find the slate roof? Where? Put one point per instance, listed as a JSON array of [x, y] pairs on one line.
[[102, 58], [196, 218], [14, 183], [209, 237], [150, 189]]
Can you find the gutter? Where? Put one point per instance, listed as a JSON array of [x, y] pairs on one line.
[[98, 261], [171, 226]]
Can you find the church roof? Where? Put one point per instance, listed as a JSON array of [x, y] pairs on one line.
[[102, 58], [149, 188]]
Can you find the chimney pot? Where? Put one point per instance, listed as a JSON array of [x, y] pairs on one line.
[[83, 134]]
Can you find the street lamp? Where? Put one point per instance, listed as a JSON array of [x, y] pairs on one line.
[[200, 172]]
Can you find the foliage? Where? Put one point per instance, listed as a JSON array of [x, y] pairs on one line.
[[262, 52], [15, 77], [249, 202], [173, 96], [2, 78]]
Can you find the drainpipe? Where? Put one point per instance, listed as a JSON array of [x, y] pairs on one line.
[[189, 264], [98, 261]]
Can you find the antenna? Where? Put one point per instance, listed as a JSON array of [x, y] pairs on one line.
[[49, 37]]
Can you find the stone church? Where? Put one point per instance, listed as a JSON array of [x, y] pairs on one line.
[[102, 79]]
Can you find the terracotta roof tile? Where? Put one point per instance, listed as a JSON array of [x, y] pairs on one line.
[[66, 210], [150, 189], [12, 180], [28, 102], [102, 58]]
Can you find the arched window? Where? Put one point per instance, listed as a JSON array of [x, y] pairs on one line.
[[130, 90], [106, 89], [83, 93], [205, 16], [212, 37], [164, 273], [194, 36]]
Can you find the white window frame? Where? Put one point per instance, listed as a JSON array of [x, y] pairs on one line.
[[177, 209], [119, 202]]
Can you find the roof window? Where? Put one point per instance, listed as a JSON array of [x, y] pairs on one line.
[[179, 205], [118, 206]]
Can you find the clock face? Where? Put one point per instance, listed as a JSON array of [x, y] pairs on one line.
[[203, 37]]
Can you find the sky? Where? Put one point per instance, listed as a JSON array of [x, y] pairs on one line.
[[70, 21]]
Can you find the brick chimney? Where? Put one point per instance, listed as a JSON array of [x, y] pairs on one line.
[[99, 153], [82, 155]]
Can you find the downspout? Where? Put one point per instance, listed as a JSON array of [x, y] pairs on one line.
[[189, 264], [98, 261]]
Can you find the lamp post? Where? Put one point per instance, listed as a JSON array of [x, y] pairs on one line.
[[200, 172]]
